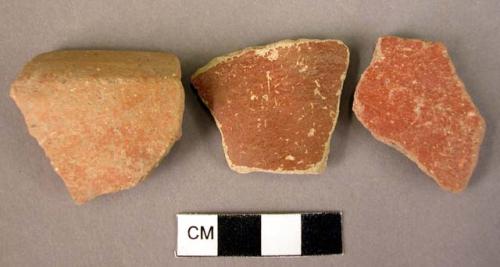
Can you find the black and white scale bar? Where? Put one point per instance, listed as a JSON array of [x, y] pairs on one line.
[[280, 234]]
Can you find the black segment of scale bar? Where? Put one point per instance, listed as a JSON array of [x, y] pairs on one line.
[[321, 233], [239, 235]]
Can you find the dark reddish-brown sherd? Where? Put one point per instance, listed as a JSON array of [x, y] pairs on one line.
[[411, 98], [276, 105]]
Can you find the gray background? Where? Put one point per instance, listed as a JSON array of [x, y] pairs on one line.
[[394, 215]]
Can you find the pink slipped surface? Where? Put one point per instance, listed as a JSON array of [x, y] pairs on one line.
[[105, 119], [411, 98], [276, 106]]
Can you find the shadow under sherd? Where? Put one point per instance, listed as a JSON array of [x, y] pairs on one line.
[[341, 132], [199, 101]]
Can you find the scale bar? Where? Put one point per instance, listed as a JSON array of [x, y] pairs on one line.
[[279, 234]]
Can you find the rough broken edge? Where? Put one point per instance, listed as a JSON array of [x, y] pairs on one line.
[[78, 201], [378, 56], [320, 166]]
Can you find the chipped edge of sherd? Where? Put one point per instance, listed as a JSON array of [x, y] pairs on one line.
[[261, 50]]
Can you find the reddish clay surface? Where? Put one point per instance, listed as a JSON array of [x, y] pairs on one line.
[[276, 106], [104, 118], [411, 98]]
